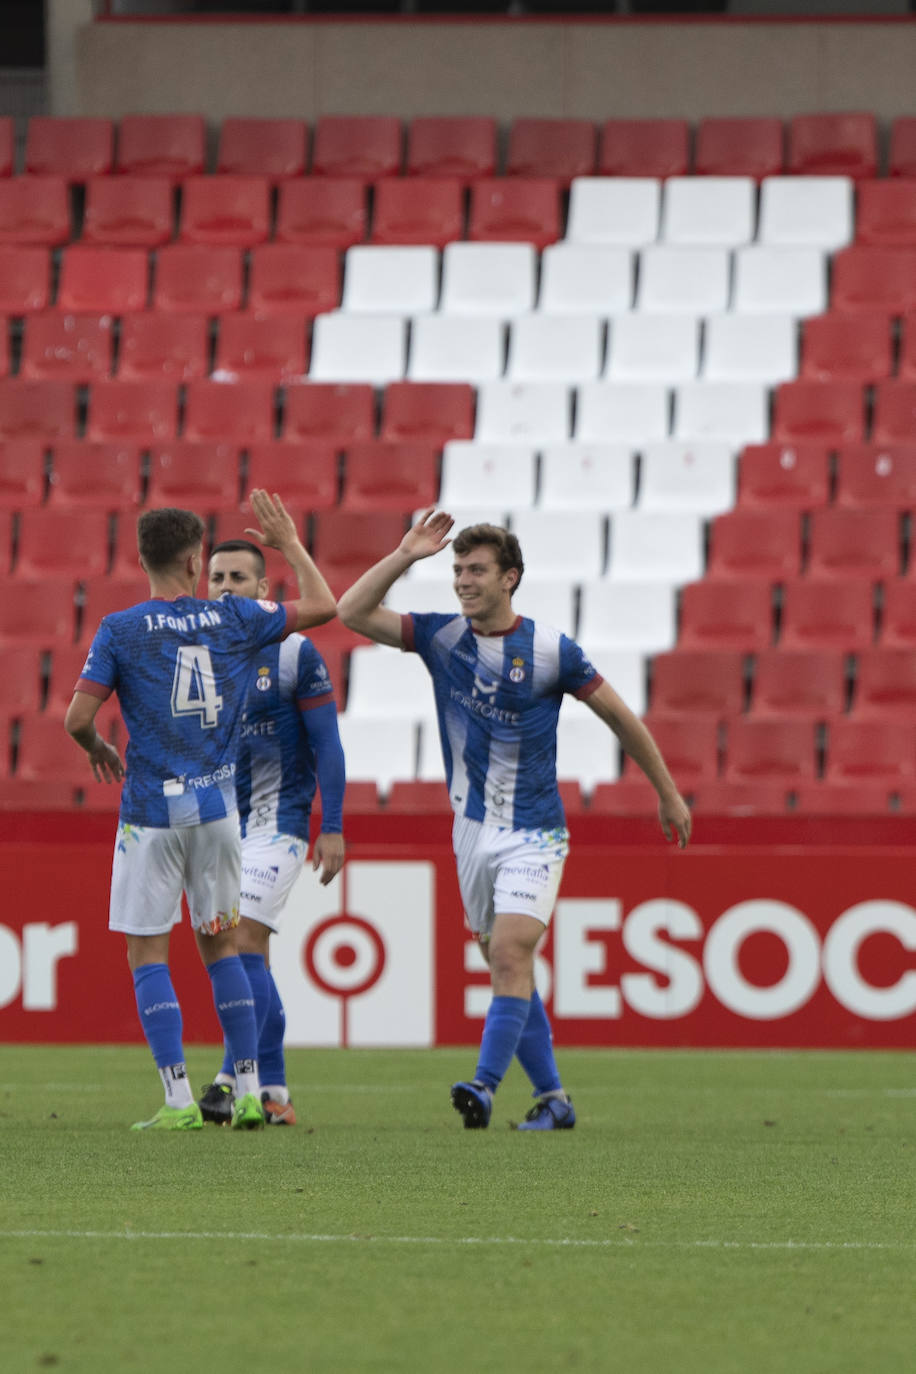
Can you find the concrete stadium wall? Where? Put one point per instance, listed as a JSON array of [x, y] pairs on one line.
[[305, 68]]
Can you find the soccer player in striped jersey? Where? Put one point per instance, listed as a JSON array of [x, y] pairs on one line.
[[180, 667], [499, 680], [290, 746]]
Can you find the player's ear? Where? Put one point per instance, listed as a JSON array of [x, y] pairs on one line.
[[263, 588]]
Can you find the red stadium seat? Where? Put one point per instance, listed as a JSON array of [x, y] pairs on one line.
[[22, 680], [833, 145], [894, 415], [240, 411], [759, 544], [273, 348], [69, 147], [770, 748], [339, 411], [422, 797], [75, 347], [898, 614], [155, 344], [418, 210], [142, 410], [25, 279], [906, 362], [275, 148], [305, 473], [329, 213], [830, 412], [901, 160], [846, 542], [6, 539], [717, 614], [105, 476], [41, 613], [644, 148], [4, 347], [362, 147], [520, 210], [100, 281], [129, 211], [877, 475], [45, 754], [741, 797], [172, 146], [432, 411], [225, 210], [698, 682], [886, 213], [885, 684], [742, 147], [826, 798], [22, 469], [400, 476], [689, 745], [799, 682], [462, 146], [198, 279], [7, 145], [557, 148], [43, 410], [293, 279], [785, 476], [193, 475], [62, 543], [67, 663], [103, 595], [630, 796], [855, 348], [346, 543], [876, 750], [870, 278], [822, 613], [34, 210]]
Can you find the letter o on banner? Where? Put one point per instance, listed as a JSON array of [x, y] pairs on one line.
[[841, 953], [725, 979]]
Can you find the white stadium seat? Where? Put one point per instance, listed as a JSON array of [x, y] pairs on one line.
[[625, 670], [562, 543], [622, 412], [734, 411], [586, 279], [430, 767], [683, 281], [586, 749], [675, 475], [456, 348], [488, 279], [715, 211], [380, 751], [656, 546], [495, 475], [816, 211], [614, 210], [555, 348], [386, 684], [653, 348], [750, 348], [358, 348], [626, 615], [782, 281], [586, 477], [523, 412], [550, 600], [384, 280]]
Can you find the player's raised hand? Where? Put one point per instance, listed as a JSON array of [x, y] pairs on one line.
[[278, 529], [428, 535]]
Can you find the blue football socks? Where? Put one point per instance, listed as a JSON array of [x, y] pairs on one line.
[[160, 1014], [506, 1020], [260, 981], [235, 1008], [271, 1059], [535, 1050]]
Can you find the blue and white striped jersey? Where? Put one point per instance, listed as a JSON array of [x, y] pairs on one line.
[[498, 699], [181, 671], [277, 776]]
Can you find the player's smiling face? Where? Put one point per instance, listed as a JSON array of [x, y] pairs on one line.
[[235, 572], [482, 587]]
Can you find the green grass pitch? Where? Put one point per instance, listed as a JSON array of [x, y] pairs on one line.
[[711, 1212]]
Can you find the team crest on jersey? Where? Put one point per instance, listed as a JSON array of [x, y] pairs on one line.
[[269, 606], [263, 680], [517, 671]]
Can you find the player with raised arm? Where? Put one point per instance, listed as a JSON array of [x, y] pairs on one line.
[[180, 667], [499, 681], [289, 745]]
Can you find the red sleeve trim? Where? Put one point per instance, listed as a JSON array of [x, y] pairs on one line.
[[292, 617], [93, 689], [591, 686], [407, 638], [309, 703]]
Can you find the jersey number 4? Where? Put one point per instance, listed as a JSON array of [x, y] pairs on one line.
[[194, 686]]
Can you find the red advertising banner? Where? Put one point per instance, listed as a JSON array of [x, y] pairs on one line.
[[740, 944]]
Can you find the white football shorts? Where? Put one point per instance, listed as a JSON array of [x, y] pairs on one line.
[[153, 865], [271, 863], [507, 871]]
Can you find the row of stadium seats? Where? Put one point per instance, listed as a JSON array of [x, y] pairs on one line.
[[631, 348], [402, 475], [507, 412], [146, 212], [374, 146]]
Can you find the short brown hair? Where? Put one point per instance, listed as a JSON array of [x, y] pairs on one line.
[[166, 534], [505, 545]]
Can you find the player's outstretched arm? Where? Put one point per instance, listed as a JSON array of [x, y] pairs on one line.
[[673, 812], [316, 604], [79, 723], [360, 608]]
